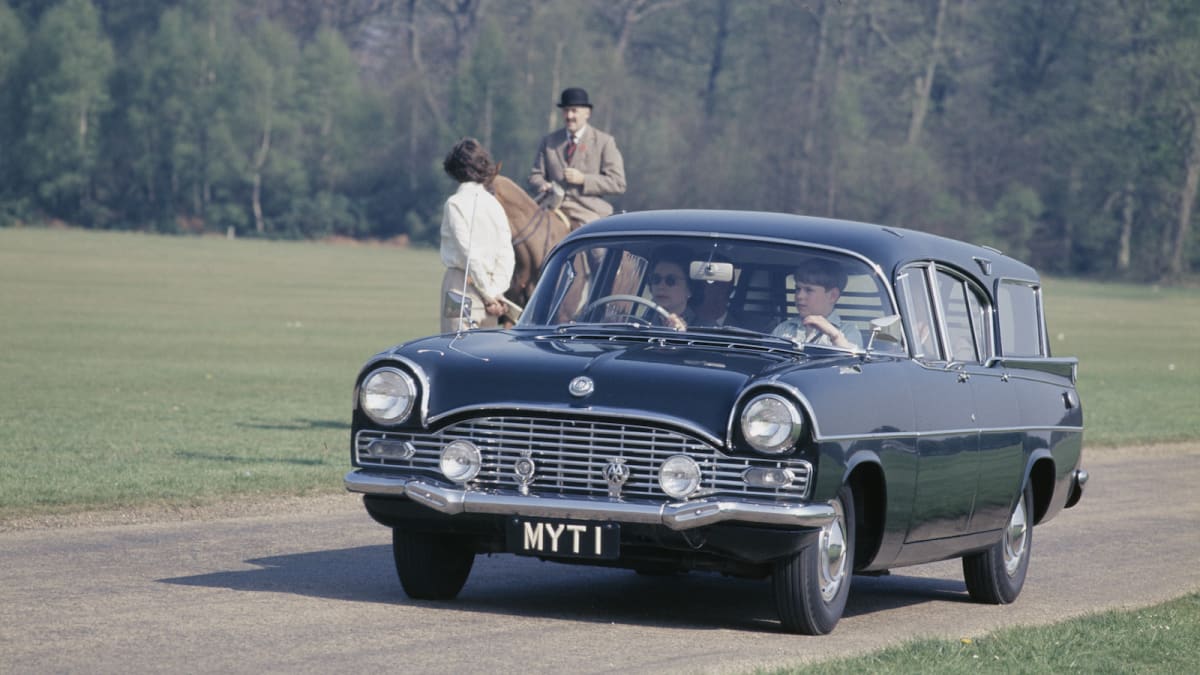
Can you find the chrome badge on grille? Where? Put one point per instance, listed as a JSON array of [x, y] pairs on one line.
[[615, 474], [581, 386], [524, 469]]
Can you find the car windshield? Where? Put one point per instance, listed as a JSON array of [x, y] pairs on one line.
[[737, 287]]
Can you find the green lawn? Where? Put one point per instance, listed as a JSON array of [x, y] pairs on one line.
[[1158, 639], [139, 370], [1139, 372]]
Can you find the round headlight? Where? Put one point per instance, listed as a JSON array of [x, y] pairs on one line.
[[679, 476], [771, 424], [387, 395], [460, 461]]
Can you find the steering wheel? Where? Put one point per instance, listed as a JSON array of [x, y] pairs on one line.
[[621, 297]]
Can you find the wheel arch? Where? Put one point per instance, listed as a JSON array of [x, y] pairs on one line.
[[867, 484], [1041, 477]]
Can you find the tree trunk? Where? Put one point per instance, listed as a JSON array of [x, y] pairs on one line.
[[419, 65], [487, 116], [414, 131], [85, 188], [260, 160], [1127, 212], [924, 83], [833, 179], [1175, 262], [717, 63], [1074, 188], [812, 110], [556, 77]]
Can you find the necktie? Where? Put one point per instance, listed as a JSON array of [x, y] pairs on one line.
[[570, 148]]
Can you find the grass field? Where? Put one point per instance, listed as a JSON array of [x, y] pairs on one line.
[[1158, 639], [138, 369], [141, 370]]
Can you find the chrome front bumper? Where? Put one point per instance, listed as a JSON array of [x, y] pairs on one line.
[[677, 516]]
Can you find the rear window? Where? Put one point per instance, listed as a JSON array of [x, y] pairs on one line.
[[1018, 304]]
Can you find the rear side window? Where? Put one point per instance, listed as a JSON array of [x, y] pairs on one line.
[[1018, 304], [965, 311]]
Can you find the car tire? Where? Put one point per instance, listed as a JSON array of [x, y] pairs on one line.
[[431, 566], [995, 576], [811, 586]]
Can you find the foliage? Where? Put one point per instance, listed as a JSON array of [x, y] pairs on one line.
[[1066, 132], [60, 96]]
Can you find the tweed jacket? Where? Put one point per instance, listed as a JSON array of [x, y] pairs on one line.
[[597, 156]]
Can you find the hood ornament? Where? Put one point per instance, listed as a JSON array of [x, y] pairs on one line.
[[523, 470], [615, 474], [581, 386]]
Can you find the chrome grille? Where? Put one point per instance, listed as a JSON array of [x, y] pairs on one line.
[[570, 456]]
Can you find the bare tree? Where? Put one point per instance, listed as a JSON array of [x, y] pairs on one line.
[[1187, 197], [923, 84]]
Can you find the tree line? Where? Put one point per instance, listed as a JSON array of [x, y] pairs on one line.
[[1065, 132]]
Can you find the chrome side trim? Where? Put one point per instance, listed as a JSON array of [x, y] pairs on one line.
[[935, 433], [677, 516]]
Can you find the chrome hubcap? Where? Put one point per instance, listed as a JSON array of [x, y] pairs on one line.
[[832, 554], [1014, 538]]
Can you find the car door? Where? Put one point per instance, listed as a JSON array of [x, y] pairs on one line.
[[947, 431], [967, 320]]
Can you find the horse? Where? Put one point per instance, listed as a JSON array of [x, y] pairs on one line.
[[535, 230]]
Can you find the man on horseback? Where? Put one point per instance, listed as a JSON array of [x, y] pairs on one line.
[[583, 160]]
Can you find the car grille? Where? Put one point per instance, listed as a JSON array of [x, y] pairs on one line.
[[571, 456]]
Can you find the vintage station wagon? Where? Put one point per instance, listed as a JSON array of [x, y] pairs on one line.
[[919, 417]]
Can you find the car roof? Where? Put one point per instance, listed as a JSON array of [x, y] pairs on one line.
[[888, 247]]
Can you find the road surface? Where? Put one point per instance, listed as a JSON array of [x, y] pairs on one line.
[[312, 588]]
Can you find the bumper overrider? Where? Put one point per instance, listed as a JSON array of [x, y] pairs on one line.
[[1079, 479], [676, 516]]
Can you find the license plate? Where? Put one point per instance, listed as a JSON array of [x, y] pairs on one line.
[[563, 538]]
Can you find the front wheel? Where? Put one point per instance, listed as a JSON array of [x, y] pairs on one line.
[[811, 586], [995, 576], [431, 566]]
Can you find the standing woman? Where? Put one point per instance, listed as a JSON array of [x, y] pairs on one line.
[[476, 241]]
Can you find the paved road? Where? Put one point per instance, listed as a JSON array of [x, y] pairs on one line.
[[314, 590]]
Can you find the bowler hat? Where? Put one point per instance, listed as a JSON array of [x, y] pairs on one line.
[[574, 98]]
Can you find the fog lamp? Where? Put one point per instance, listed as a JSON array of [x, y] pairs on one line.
[[460, 461], [679, 476]]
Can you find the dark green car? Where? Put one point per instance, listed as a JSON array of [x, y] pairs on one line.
[[761, 395]]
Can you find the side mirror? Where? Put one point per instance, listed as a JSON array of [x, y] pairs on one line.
[[881, 329]]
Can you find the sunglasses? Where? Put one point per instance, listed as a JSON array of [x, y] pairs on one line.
[[669, 279]]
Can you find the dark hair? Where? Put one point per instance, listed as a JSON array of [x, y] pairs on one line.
[[675, 255], [822, 272], [468, 160]]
